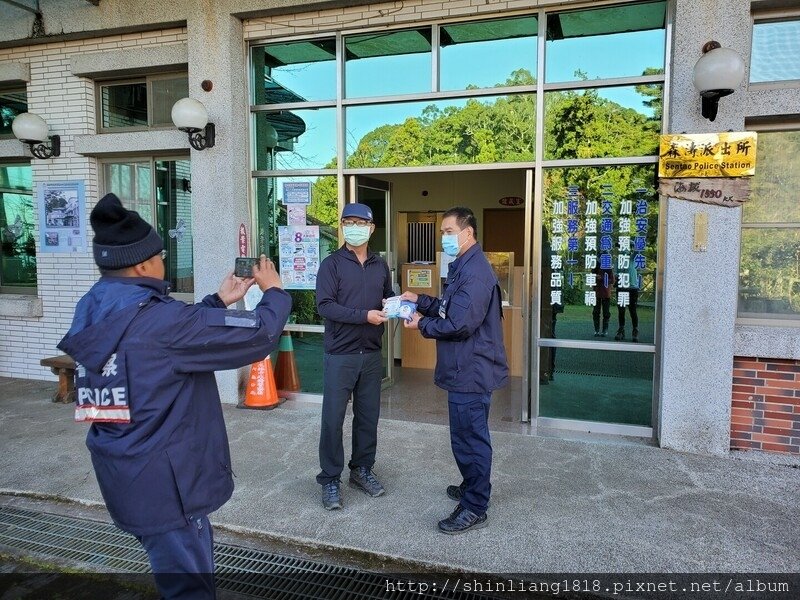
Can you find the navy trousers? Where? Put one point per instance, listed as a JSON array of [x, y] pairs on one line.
[[182, 561], [472, 447], [358, 375]]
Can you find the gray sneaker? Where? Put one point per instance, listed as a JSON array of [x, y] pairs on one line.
[[331, 495], [364, 478]]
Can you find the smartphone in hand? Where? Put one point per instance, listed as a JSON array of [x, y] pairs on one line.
[[244, 267]]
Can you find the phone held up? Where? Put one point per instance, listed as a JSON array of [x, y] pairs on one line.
[[244, 267]]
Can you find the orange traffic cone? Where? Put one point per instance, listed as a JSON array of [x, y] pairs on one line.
[[261, 392], [286, 377]]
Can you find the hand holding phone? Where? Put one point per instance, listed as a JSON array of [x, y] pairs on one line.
[[244, 267]]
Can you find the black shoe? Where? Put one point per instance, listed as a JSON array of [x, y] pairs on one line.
[[596, 334], [635, 335], [620, 334], [331, 496], [462, 520], [455, 492], [364, 478]]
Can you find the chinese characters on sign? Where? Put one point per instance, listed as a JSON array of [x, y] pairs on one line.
[[598, 243], [723, 191], [299, 256], [708, 155], [62, 216]]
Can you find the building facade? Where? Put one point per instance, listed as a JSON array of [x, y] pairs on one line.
[[543, 117]]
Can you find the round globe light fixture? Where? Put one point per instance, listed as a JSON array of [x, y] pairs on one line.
[[718, 73], [32, 129], [190, 115]]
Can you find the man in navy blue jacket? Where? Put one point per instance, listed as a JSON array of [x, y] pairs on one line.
[[351, 285], [470, 362], [145, 380]]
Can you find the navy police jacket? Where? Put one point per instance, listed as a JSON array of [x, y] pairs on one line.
[[171, 463], [466, 323], [346, 292]]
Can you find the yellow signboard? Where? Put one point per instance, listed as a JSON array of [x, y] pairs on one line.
[[708, 155], [420, 278]]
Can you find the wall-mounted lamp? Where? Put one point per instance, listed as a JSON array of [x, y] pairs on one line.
[[270, 136], [718, 73], [32, 129], [190, 116]]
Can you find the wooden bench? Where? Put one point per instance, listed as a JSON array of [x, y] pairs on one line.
[[64, 367]]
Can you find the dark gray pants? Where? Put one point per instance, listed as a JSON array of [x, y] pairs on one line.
[[346, 374]]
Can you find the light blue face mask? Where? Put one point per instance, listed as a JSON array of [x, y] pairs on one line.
[[450, 244], [356, 235]]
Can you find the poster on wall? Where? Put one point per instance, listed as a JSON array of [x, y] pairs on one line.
[[62, 215], [299, 256]]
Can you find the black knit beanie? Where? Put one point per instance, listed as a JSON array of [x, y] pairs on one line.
[[121, 237]]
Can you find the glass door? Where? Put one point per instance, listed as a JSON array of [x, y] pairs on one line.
[[377, 195]]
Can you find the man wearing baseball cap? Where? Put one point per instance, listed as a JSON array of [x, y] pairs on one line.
[[145, 381], [351, 284]]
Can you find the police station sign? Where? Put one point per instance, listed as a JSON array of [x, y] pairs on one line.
[[712, 168], [731, 154]]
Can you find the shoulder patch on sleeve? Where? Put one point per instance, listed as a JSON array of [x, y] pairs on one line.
[[222, 317]]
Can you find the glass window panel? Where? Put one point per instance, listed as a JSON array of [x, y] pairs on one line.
[[447, 132], [599, 123], [12, 103], [599, 253], [385, 64], [774, 196], [597, 385], [488, 53], [166, 92], [17, 241], [174, 209], [296, 139], [620, 41], [776, 51], [132, 183], [324, 213], [294, 72], [124, 105], [769, 273]]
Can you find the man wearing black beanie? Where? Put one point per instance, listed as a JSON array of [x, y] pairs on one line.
[[145, 381]]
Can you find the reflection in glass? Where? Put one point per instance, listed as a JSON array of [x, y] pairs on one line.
[[166, 92], [773, 196], [174, 208], [271, 213], [769, 273], [599, 241], [776, 51], [296, 139], [386, 64], [12, 103], [308, 356], [18, 256], [487, 54], [132, 183], [448, 132], [124, 105], [599, 123], [619, 41], [294, 72], [597, 385]]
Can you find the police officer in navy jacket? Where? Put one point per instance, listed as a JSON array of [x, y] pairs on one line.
[[470, 362], [145, 379]]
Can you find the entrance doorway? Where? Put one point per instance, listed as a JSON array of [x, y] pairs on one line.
[[408, 210]]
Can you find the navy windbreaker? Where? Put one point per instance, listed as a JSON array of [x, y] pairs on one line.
[[346, 292], [466, 323], [171, 463]]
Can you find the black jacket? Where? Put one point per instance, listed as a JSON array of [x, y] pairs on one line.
[[346, 292]]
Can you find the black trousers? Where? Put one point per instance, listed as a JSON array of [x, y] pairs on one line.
[[344, 375], [634, 300], [605, 303]]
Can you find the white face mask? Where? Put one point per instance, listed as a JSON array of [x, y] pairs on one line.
[[450, 244]]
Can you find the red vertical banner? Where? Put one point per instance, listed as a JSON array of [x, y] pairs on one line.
[[242, 240]]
